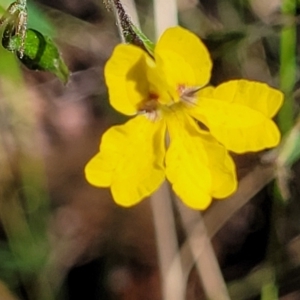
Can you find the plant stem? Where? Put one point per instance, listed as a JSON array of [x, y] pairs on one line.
[[287, 64], [203, 254], [165, 15], [173, 283]]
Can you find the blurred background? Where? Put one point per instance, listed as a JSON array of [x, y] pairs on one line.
[[63, 239]]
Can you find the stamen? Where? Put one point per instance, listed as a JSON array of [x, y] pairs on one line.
[[188, 94], [149, 107]]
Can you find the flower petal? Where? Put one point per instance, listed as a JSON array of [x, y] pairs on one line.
[[256, 95], [239, 128], [158, 84], [221, 166], [125, 75], [198, 167], [183, 58], [131, 160]]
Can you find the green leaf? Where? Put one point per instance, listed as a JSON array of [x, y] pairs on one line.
[[40, 52]]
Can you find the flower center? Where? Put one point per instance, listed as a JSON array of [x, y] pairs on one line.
[[150, 106]]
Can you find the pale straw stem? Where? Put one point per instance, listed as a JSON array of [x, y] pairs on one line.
[[203, 254], [165, 15], [173, 283]]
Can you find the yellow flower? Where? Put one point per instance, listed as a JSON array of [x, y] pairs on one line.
[[167, 95]]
